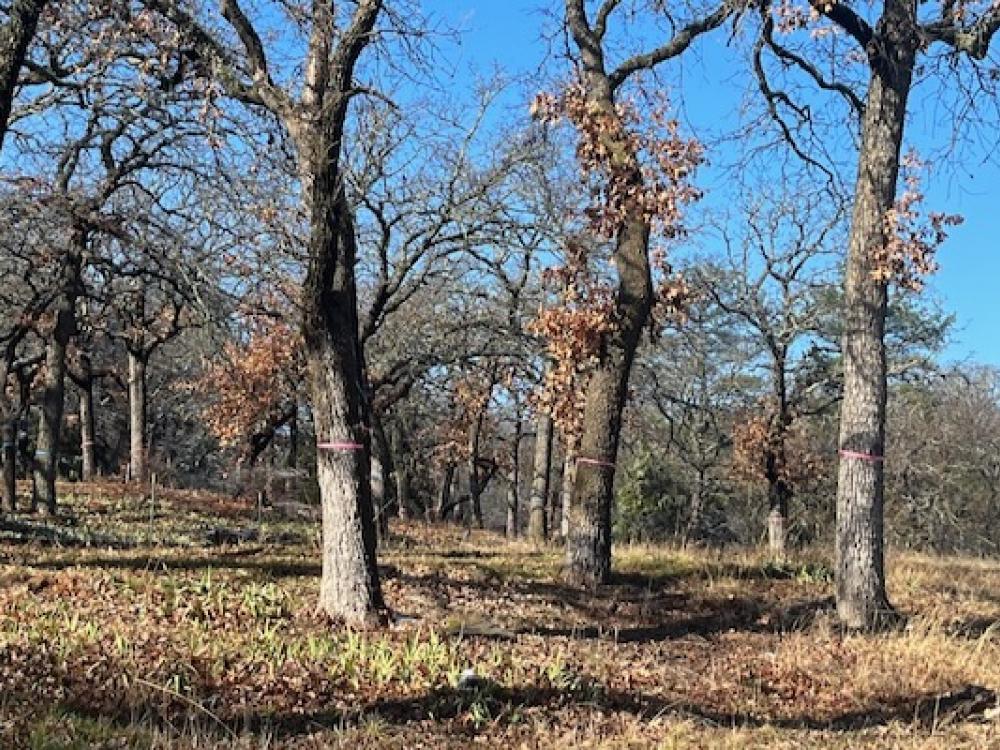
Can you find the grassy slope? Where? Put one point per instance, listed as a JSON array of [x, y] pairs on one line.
[[157, 639]]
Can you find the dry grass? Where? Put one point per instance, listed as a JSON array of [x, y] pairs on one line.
[[162, 641]]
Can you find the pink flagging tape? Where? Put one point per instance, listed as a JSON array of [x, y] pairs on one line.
[[343, 447], [871, 457], [595, 462]]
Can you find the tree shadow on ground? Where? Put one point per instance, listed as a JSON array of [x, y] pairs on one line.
[[925, 712], [223, 560], [18, 531], [975, 628]]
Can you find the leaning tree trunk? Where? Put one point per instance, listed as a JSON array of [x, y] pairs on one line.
[[138, 466], [861, 595], [15, 36], [349, 587], [588, 544], [537, 527]]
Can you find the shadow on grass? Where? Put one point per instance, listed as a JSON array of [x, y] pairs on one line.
[[222, 560], [499, 705], [976, 628], [18, 531]]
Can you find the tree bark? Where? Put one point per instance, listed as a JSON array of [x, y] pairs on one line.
[[566, 495], [54, 379], [383, 474], [861, 596], [8, 485], [476, 481], [87, 432], [541, 470], [588, 544], [514, 485], [444, 493], [779, 494], [138, 465], [349, 586], [50, 423], [15, 37]]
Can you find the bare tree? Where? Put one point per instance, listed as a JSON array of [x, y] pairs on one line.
[[903, 35]]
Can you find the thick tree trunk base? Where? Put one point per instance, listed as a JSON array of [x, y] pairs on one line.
[[588, 562]]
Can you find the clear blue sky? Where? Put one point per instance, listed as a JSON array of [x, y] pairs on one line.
[[507, 36]]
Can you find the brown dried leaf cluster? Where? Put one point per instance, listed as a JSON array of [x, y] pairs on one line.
[[912, 237], [760, 435], [252, 381]]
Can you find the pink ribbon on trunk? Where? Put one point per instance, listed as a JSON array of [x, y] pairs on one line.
[[870, 457]]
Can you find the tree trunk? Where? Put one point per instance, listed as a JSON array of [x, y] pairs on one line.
[[87, 435], [50, 424], [537, 527], [695, 522], [15, 36], [861, 595], [588, 545], [54, 378], [8, 485], [476, 482], [514, 485], [403, 491], [383, 470], [566, 495], [444, 493], [379, 502], [292, 457], [350, 586], [138, 466], [779, 494], [510, 525]]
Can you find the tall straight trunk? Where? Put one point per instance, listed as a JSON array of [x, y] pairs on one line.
[[476, 481], [292, 456], [695, 524], [396, 452], [566, 495], [383, 469], [510, 524], [537, 527], [779, 494], [379, 486], [514, 486], [349, 586], [403, 497], [8, 484], [138, 466], [15, 36], [861, 597], [87, 432]]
